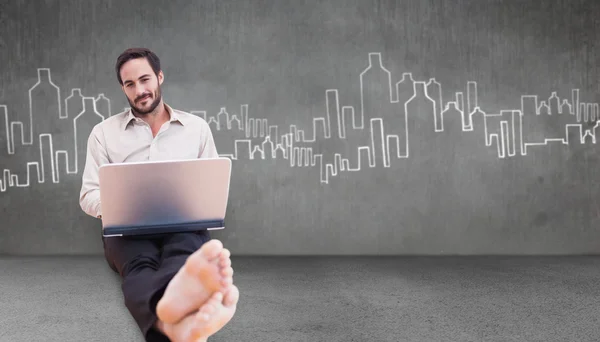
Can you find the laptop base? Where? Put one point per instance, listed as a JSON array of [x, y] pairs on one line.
[[162, 228]]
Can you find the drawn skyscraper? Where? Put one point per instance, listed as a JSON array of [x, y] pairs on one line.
[[46, 120], [5, 148], [405, 90], [420, 112], [478, 121], [460, 107], [376, 102], [328, 147], [559, 120], [534, 133], [222, 122], [103, 105], [84, 123], [554, 104], [73, 107], [434, 91], [471, 103], [452, 119]]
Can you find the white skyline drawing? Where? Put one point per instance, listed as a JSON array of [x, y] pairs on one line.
[[382, 124]]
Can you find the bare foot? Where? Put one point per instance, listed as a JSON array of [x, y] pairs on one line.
[[205, 271], [212, 317], [217, 312]]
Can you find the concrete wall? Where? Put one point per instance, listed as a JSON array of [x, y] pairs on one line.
[[398, 127]]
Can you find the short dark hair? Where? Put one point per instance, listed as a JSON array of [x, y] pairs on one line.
[[133, 53]]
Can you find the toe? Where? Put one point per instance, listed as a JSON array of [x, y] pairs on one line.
[[227, 272], [225, 254], [203, 316], [210, 306], [207, 310], [217, 297], [225, 282], [210, 309], [232, 296], [225, 262], [209, 251], [212, 249]]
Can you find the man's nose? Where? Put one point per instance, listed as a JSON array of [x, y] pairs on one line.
[[139, 90]]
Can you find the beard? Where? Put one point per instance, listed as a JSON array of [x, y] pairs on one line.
[[140, 111]]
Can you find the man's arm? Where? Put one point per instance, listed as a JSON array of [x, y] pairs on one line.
[[96, 156], [207, 148]]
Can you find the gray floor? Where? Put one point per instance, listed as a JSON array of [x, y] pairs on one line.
[[327, 299]]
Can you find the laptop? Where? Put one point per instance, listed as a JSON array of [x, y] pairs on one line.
[[157, 197]]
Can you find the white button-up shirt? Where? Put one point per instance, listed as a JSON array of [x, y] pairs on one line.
[[124, 138]]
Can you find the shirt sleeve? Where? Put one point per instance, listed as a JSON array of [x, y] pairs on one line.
[[207, 145], [96, 156]]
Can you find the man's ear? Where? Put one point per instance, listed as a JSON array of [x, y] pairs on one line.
[[161, 77]]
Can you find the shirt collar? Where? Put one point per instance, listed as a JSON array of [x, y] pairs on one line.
[[174, 116]]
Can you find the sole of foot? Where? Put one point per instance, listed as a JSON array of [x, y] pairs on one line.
[[205, 272], [218, 310]]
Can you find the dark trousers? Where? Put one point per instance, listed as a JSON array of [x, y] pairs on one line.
[[146, 265]]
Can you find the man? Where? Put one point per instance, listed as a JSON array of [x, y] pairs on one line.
[[177, 287]]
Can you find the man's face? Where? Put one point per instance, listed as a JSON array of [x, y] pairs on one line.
[[141, 85]]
